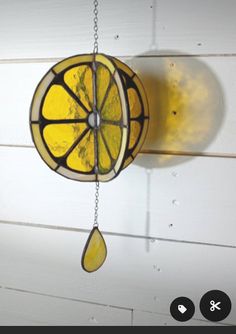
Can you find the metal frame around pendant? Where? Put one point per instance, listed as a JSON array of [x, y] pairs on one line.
[[86, 248]]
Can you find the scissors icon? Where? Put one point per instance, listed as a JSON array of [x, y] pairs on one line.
[[215, 306]]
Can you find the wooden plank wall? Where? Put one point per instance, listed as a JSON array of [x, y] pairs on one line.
[[169, 219]]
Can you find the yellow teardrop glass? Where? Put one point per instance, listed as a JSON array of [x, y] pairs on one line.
[[95, 252]]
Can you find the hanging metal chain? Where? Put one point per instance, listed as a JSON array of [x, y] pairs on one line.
[[96, 204], [95, 50]]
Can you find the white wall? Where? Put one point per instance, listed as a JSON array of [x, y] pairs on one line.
[[169, 219]]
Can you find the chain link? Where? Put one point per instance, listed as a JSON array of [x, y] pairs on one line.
[[96, 204], [95, 50]]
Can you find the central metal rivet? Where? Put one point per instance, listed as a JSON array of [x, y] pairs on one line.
[[94, 120]]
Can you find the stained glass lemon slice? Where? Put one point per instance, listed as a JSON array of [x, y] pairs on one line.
[[88, 117]]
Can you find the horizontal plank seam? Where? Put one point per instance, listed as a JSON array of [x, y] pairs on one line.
[[153, 152], [115, 234], [63, 298], [193, 154], [16, 146], [58, 59], [76, 300]]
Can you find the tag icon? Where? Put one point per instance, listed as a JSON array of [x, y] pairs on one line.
[[182, 309]]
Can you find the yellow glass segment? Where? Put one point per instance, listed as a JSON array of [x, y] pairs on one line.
[[80, 80], [60, 105], [135, 129], [41, 147], [104, 161], [103, 80], [112, 135], [134, 103], [142, 138], [82, 157], [141, 90], [63, 65], [112, 108], [95, 252], [106, 61], [60, 137]]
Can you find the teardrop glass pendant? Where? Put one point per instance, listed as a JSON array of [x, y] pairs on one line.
[[95, 252]]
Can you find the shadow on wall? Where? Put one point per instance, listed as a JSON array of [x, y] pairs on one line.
[[187, 110], [186, 106]]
